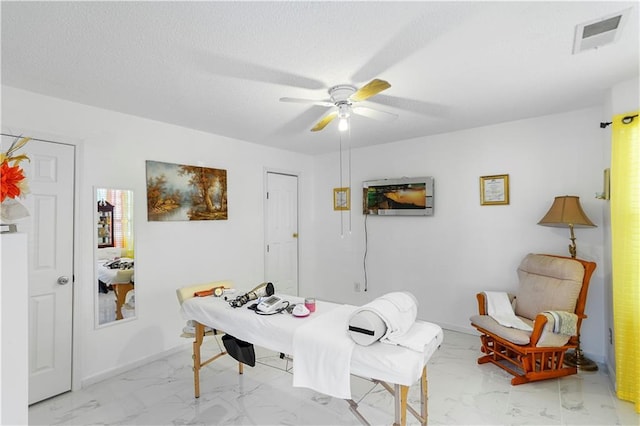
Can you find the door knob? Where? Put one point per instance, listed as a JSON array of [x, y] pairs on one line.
[[295, 235], [63, 280]]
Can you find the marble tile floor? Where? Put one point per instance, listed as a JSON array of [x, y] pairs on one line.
[[460, 393]]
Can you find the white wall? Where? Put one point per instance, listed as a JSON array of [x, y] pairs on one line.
[[465, 247], [112, 149]]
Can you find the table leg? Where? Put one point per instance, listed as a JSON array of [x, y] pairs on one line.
[[121, 290], [400, 398], [424, 397], [197, 344], [404, 393]]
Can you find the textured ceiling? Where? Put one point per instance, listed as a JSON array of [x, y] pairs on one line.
[[221, 67]]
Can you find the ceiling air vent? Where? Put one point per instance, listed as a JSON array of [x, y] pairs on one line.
[[599, 32]]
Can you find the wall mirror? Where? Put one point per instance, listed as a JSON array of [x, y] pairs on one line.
[[114, 259]]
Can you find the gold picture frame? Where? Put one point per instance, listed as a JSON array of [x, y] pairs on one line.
[[341, 198], [494, 190]]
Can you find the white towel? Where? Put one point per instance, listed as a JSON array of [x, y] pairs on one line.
[[322, 352], [420, 334], [499, 308], [398, 310]]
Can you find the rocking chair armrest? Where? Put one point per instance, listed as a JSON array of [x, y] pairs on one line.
[[482, 304], [538, 328]]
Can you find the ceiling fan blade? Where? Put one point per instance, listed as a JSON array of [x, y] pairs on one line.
[[373, 87], [324, 121], [376, 114], [325, 103], [419, 107]]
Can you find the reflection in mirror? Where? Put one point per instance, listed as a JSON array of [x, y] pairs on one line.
[[114, 260]]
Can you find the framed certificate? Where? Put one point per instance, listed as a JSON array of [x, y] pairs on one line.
[[341, 199], [494, 190]]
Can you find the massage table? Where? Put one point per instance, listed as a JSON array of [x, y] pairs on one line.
[[379, 362], [121, 280]]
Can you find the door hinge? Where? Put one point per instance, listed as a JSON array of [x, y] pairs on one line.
[[267, 248], [267, 195]]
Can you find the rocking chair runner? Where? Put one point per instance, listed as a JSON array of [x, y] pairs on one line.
[[547, 283]]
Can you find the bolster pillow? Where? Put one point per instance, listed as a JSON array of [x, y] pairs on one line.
[[386, 318], [365, 327]]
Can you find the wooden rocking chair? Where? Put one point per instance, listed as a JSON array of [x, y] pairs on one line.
[[546, 283]]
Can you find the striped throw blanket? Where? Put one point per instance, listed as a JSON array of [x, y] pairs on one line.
[[563, 322]]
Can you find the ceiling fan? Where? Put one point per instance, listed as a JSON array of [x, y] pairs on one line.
[[345, 98]]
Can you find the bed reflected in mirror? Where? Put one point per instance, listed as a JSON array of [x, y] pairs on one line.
[[114, 256]]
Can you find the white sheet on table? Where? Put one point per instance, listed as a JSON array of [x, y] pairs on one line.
[[106, 275], [274, 332], [389, 363], [396, 364], [322, 351]]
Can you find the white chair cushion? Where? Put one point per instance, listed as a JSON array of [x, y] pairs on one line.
[[514, 335], [520, 337]]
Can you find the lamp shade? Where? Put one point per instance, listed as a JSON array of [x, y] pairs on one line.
[[566, 211]]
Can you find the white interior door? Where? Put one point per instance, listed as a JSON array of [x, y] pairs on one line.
[[281, 257], [49, 228]]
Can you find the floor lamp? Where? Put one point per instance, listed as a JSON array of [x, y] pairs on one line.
[[566, 212]]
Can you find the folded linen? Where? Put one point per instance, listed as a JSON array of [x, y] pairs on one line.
[[563, 322], [416, 338], [322, 353], [398, 310], [499, 308]]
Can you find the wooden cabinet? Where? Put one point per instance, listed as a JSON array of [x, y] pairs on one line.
[[105, 224]]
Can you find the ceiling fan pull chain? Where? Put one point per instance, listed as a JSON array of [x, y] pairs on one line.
[[349, 175], [341, 186]]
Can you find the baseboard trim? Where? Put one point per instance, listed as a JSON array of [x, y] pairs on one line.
[[124, 368]]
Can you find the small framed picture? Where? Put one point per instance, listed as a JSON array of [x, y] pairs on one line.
[[341, 199], [494, 190]]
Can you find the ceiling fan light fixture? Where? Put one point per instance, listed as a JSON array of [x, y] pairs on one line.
[[344, 112], [343, 124]]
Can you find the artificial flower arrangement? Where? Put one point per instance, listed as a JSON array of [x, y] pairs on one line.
[[13, 182]]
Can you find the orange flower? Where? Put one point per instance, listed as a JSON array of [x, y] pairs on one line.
[[10, 181]]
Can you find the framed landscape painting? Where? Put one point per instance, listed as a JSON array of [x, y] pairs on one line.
[[177, 192]]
